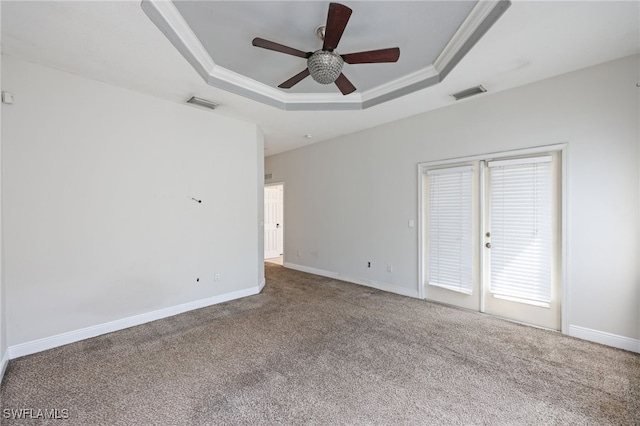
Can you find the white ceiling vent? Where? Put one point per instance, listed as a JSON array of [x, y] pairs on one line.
[[472, 91], [203, 103]]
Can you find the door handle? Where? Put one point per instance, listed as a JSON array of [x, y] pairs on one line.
[[488, 245]]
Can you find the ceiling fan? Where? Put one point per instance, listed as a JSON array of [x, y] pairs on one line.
[[325, 65]]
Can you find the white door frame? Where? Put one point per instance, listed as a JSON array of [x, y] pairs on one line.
[[283, 214], [564, 277]]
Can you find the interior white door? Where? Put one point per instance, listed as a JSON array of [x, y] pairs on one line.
[[521, 240], [273, 221]]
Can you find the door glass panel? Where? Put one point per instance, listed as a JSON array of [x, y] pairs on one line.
[[450, 223], [520, 227]]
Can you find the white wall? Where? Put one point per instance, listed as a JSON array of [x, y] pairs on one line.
[[97, 186], [349, 199], [3, 321]]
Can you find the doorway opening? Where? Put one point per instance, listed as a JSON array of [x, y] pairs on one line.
[[274, 223]]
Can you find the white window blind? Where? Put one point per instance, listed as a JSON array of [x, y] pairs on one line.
[[520, 221], [450, 227]]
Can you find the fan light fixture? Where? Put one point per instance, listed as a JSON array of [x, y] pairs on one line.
[[325, 67]]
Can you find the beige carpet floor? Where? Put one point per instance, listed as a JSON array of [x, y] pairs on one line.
[[311, 350]]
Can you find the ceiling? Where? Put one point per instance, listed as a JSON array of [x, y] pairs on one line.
[[116, 43], [215, 37], [226, 28]]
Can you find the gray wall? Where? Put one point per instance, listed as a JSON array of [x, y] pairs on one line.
[[97, 186], [348, 200]]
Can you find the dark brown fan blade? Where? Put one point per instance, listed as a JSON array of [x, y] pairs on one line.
[[336, 22], [295, 79], [373, 56], [266, 44], [344, 85]]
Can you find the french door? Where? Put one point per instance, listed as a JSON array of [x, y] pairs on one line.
[[521, 239], [492, 236]]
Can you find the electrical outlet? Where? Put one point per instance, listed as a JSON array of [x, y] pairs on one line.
[[216, 277], [368, 264], [298, 252], [389, 268]]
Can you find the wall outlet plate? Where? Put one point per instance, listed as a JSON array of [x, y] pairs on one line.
[[7, 98]]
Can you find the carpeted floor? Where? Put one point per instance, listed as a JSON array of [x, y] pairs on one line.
[[318, 351]]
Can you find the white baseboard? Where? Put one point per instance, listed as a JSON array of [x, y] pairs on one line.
[[360, 281], [262, 284], [620, 342], [4, 361], [45, 343]]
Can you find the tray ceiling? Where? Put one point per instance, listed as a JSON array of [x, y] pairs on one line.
[[215, 37]]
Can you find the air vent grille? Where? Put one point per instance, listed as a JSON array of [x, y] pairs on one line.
[[468, 92], [203, 102]]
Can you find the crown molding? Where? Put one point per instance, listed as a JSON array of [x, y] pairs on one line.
[[168, 19], [482, 17], [423, 74], [477, 16]]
